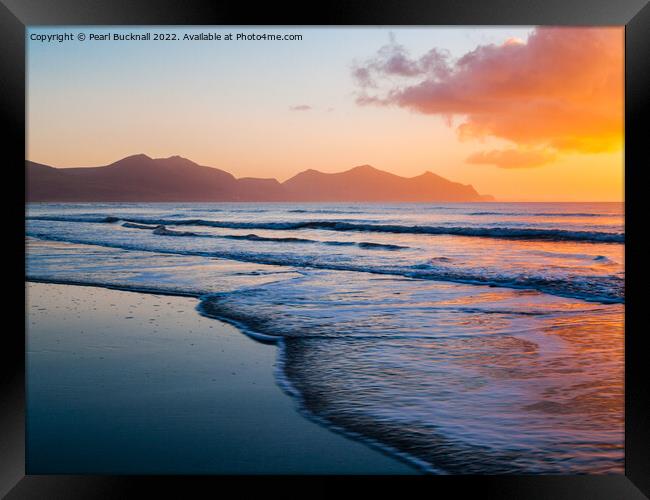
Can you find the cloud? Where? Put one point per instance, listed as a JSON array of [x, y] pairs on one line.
[[392, 60], [300, 107], [513, 158], [560, 91]]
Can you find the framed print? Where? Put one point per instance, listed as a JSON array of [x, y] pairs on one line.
[[390, 242]]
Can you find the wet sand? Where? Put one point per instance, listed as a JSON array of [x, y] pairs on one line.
[[130, 383]]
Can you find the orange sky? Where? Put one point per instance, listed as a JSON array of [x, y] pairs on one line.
[[520, 113]]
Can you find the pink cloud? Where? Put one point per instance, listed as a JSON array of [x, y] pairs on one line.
[[559, 91], [393, 60], [300, 107]]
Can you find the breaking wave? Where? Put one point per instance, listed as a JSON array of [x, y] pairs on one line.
[[605, 289], [482, 232]]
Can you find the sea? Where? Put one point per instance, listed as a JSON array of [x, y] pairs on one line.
[[477, 338]]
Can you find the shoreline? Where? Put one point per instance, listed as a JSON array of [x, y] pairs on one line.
[[281, 380], [199, 381]]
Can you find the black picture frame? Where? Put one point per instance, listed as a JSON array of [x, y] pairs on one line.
[[16, 15]]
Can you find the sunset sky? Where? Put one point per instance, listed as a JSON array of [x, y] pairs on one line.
[[523, 114]]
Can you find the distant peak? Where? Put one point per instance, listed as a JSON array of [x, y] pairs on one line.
[[364, 169], [125, 162], [140, 156], [429, 173], [176, 160]]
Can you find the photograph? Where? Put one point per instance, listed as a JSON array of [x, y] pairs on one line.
[[332, 250]]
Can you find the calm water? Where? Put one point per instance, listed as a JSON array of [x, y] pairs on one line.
[[468, 338]]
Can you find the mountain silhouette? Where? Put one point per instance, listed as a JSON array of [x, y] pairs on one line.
[[366, 183], [140, 178]]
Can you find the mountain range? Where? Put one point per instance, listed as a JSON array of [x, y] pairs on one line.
[[139, 178]]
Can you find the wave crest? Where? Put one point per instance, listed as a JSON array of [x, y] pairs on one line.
[[481, 232]]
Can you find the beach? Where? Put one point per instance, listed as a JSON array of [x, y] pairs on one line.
[[474, 338], [120, 382]]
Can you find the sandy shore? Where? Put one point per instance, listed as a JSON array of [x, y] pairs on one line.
[[130, 383]]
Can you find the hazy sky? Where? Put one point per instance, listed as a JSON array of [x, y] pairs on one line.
[[519, 113]]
